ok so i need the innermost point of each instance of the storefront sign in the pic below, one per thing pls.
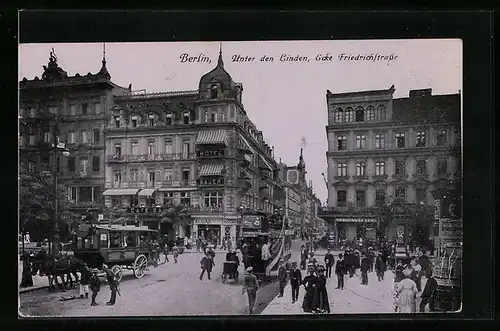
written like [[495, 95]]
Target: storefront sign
[[450, 228], [215, 222], [210, 153], [229, 222], [212, 181], [356, 220], [202, 222]]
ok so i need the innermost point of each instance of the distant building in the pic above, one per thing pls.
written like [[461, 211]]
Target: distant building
[[75, 109], [194, 148], [382, 149]]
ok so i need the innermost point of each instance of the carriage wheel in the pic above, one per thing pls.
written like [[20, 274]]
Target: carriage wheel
[[140, 265], [118, 271]]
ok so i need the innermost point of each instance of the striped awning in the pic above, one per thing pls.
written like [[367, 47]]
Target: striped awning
[[147, 192], [212, 137], [123, 191], [356, 220], [265, 163], [211, 170]]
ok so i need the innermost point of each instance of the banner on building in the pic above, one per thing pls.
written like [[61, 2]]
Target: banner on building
[[292, 176]]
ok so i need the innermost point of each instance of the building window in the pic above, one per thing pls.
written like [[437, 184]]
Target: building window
[[400, 168], [46, 136], [342, 169], [117, 179], [185, 149], [134, 148], [380, 113], [338, 115], [167, 174], [421, 196], [97, 135], [421, 135], [400, 193], [151, 119], [72, 194], [223, 116], [168, 147], [442, 167], [133, 121], [206, 116], [84, 164], [441, 138], [361, 141], [85, 194], [214, 116], [341, 198], [185, 199], [186, 118], [71, 137], [151, 177], [380, 197], [134, 175], [360, 198], [96, 164], [370, 113], [32, 139], [379, 140], [72, 109], [151, 147], [117, 122], [379, 168], [213, 199], [168, 197], [213, 92], [118, 150], [342, 143], [400, 140], [360, 168], [53, 110], [169, 119], [185, 178], [421, 167], [360, 114], [32, 112], [84, 137], [71, 164], [349, 114], [97, 108], [84, 108]]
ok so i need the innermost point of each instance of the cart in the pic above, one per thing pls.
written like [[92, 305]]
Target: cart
[[229, 269], [120, 247]]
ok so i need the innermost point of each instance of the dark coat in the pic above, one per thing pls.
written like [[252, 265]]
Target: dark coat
[[320, 300], [429, 291], [85, 275], [295, 278], [95, 283], [380, 265], [329, 259], [111, 278], [425, 263], [340, 267], [207, 263], [365, 264], [282, 274], [310, 282]]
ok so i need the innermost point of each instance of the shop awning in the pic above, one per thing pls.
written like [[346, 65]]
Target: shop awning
[[356, 220], [147, 192], [212, 137], [123, 191], [211, 170], [265, 164]]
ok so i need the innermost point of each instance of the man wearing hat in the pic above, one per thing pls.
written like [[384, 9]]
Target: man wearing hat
[[380, 267], [113, 284], [282, 277], [365, 266], [429, 294], [95, 285], [340, 270], [310, 282], [321, 302], [250, 286], [295, 281], [84, 281]]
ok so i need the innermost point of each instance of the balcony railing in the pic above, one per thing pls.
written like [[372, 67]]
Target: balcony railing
[[205, 210], [151, 157], [243, 183]]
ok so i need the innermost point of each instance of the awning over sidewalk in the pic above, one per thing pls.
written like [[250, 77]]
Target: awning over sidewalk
[[212, 137], [211, 170], [147, 192], [122, 191]]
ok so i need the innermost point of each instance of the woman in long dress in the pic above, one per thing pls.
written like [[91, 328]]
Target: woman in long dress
[[310, 282], [321, 302], [406, 293]]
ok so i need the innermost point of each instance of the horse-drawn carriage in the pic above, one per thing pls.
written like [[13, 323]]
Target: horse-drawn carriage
[[120, 247]]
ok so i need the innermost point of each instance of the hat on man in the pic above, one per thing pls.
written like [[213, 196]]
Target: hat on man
[[249, 269], [95, 270]]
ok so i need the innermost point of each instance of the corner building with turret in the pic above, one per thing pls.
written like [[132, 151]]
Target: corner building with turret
[[195, 148]]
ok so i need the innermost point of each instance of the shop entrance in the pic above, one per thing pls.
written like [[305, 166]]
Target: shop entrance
[[211, 233]]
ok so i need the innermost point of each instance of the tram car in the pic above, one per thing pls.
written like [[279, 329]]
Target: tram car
[[256, 231], [121, 247]]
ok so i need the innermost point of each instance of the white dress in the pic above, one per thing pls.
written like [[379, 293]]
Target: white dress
[[406, 293]]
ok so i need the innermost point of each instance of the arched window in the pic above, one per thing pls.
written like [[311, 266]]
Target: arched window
[[213, 92], [380, 113], [349, 114], [360, 114], [206, 116], [338, 115], [370, 113]]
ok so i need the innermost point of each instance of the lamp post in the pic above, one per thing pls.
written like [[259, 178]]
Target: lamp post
[[57, 148]]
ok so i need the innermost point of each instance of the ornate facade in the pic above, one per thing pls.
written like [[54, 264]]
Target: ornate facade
[[381, 149]]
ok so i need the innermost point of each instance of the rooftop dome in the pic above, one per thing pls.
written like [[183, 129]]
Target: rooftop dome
[[218, 74]]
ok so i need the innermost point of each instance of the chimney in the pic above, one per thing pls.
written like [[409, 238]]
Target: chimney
[[420, 93]]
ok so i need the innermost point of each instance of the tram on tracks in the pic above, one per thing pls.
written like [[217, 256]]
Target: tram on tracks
[[257, 230], [121, 247]]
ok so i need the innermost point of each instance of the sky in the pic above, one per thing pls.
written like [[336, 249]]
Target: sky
[[286, 100]]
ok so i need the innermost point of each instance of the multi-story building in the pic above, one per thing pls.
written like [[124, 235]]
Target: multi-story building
[[196, 148], [292, 209], [75, 109], [381, 149]]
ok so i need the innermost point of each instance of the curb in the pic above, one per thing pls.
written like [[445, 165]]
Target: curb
[[32, 289]]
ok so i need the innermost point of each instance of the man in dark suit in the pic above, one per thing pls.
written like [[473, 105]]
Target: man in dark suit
[[340, 269], [365, 266], [329, 262], [428, 295], [295, 281]]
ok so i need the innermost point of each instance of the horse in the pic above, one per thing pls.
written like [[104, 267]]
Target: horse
[[56, 267]]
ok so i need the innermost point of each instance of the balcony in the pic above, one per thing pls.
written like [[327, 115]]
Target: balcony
[[151, 157], [265, 173], [243, 183], [243, 159], [206, 210]]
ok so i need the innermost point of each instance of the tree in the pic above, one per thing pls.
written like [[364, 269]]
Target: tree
[[178, 214], [37, 197]]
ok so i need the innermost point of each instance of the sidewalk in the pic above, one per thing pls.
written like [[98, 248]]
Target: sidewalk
[[38, 282]]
